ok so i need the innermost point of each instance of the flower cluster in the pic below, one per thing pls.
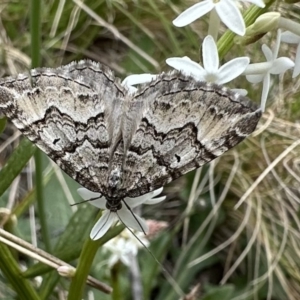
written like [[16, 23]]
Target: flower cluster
[[256, 72], [227, 10], [124, 247]]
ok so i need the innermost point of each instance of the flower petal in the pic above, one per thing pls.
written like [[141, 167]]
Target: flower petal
[[281, 64], [155, 200], [290, 37], [233, 69], [134, 202], [129, 246], [261, 68], [265, 92], [193, 13], [132, 220], [297, 63], [113, 259], [267, 52], [255, 78], [126, 260], [103, 224], [86, 194], [99, 203], [242, 92], [157, 192], [277, 44], [231, 16], [210, 55], [187, 67], [131, 89], [138, 79], [186, 58]]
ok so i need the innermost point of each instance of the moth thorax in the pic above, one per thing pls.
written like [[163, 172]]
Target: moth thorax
[[115, 179], [113, 205]]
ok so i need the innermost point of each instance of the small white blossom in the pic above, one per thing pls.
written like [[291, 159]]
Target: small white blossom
[[131, 80], [261, 72], [109, 218], [227, 11], [292, 38], [124, 246], [211, 71]]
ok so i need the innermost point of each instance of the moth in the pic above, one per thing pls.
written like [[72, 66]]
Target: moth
[[119, 143]]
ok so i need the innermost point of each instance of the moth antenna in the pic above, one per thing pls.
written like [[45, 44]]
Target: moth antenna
[[168, 276], [84, 201], [129, 208]]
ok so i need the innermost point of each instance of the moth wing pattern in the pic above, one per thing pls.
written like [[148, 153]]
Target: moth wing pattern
[[65, 112], [183, 125], [94, 128]]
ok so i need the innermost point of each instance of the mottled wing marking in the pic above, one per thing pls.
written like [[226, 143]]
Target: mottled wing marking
[[183, 124], [97, 132], [68, 112]]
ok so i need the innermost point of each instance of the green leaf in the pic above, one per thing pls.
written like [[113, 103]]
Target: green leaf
[[198, 245], [15, 164], [223, 292], [88, 253], [149, 268], [71, 241], [11, 271], [70, 245]]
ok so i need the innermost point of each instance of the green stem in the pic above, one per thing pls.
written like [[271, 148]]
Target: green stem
[[12, 273], [115, 282], [86, 258], [35, 29], [226, 42], [16, 162]]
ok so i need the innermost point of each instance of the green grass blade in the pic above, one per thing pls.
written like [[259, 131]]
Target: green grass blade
[[70, 243], [15, 164], [35, 32], [11, 271]]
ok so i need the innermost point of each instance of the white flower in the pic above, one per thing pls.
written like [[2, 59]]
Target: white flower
[[124, 246], [109, 218], [292, 38], [227, 11], [131, 80], [211, 71], [273, 65]]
